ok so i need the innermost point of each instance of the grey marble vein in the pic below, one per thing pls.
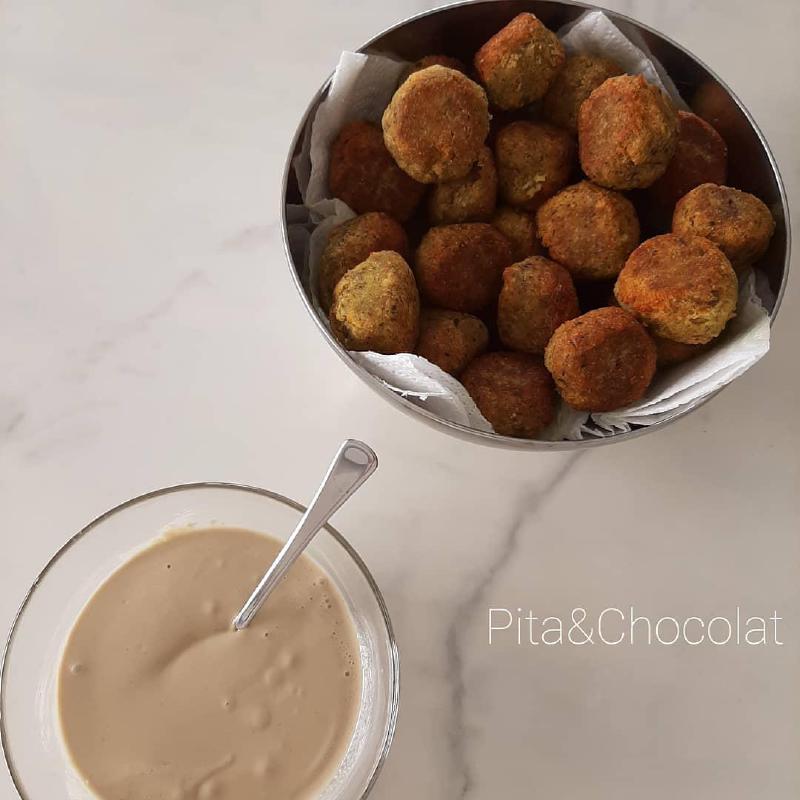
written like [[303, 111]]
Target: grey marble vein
[[251, 238], [530, 503], [102, 347], [10, 425]]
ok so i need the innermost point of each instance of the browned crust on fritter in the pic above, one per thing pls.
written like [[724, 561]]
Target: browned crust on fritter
[[536, 297], [602, 360], [459, 267], [518, 64], [534, 160], [581, 75], [519, 227], [682, 287], [436, 124], [364, 175], [376, 306], [737, 222], [589, 229], [351, 243], [468, 199], [701, 156], [627, 133], [450, 339], [513, 391]]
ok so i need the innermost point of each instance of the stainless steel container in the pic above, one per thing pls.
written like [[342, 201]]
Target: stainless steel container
[[459, 30]]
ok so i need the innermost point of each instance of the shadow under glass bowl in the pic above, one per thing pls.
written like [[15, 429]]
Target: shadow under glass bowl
[[36, 759], [459, 30]]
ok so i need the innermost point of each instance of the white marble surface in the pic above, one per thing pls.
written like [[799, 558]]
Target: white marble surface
[[150, 334]]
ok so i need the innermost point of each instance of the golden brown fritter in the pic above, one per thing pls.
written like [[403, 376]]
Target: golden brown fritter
[[589, 229], [669, 353], [450, 339], [739, 223], [519, 227], [459, 267], [468, 199], [513, 391], [627, 133], [701, 156], [436, 124], [581, 75], [364, 175], [351, 242], [681, 286], [376, 306], [534, 160], [537, 296], [602, 360], [712, 103], [518, 64]]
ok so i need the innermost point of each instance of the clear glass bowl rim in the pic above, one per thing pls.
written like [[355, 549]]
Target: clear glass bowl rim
[[269, 495]]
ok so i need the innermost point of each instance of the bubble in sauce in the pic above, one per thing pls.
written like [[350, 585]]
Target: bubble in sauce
[[271, 676], [261, 767], [260, 718], [207, 790], [229, 703], [288, 659], [210, 607]]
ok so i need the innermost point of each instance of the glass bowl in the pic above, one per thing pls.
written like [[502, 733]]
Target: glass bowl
[[37, 761]]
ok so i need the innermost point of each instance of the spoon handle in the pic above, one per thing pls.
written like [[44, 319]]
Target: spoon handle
[[353, 464]]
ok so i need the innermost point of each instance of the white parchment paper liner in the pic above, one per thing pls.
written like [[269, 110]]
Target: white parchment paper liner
[[361, 89]]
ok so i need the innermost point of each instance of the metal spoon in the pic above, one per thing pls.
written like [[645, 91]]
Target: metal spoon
[[353, 464]]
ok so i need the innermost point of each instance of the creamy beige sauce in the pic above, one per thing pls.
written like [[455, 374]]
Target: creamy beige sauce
[[160, 699]]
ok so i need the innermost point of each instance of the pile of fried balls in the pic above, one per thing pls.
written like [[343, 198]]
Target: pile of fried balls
[[498, 231]]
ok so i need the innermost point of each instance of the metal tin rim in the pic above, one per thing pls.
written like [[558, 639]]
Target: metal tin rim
[[394, 699], [463, 431]]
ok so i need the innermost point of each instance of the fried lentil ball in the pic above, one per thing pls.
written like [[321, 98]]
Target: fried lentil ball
[[513, 391], [450, 339], [589, 229], [468, 199], [534, 160], [602, 360], [739, 223], [581, 75], [627, 133], [364, 175], [518, 64], [681, 286], [376, 306], [712, 103], [436, 124], [351, 242], [701, 156], [519, 227], [459, 267], [669, 353], [536, 297]]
